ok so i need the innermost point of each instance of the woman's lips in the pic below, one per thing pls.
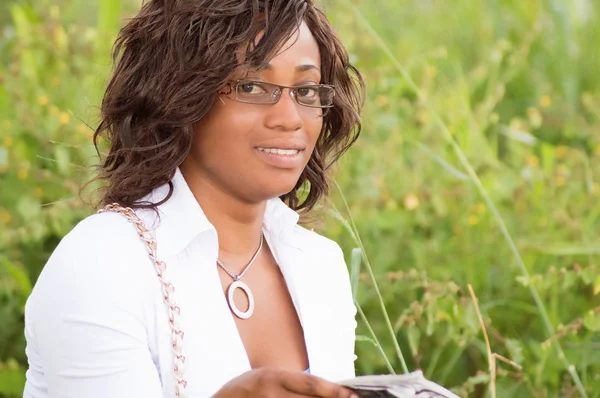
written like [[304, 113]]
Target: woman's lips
[[285, 158]]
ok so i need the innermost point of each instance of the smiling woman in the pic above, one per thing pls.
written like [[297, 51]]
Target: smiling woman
[[218, 113]]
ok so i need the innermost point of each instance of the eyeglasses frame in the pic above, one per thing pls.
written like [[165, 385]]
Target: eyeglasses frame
[[235, 83]]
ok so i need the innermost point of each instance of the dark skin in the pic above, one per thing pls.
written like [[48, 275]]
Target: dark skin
[[232, 182]]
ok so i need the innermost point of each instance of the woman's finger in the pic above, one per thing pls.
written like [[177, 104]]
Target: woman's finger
[[314, 386]]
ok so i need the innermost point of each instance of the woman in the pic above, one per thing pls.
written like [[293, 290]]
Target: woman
[[223, 118]]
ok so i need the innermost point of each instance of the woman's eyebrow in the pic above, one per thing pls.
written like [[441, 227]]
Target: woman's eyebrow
[[305, 67], [299, 68]]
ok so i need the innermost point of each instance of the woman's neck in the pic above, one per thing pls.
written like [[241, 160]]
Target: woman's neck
[[238, 222]]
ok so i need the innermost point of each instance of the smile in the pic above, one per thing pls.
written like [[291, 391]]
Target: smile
[[279, 151], [282, 158]]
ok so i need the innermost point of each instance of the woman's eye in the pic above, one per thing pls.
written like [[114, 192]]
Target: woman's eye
[[252, 88], [307, 92]]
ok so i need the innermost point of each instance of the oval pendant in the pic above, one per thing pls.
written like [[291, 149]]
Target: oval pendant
[[230, 290]]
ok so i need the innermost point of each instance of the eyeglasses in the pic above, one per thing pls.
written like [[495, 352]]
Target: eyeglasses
[[257, 92]]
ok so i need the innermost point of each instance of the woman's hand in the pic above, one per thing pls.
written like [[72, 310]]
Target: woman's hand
[[276, 383]]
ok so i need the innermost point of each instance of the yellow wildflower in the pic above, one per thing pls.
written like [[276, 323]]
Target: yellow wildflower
[[8, 141], [562, 151], [382, 100], [517, 124], [545, 101], [432, 70], [562, 169], [4, 217], [22, 174], [422, 116], [411, 201], [473, 219], [480, 208], [391, 204], [64, 118], [535, 117], [533, 161], [44, 100]]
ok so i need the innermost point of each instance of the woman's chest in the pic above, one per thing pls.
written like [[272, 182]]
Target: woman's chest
[[291, 313], [265, 316]]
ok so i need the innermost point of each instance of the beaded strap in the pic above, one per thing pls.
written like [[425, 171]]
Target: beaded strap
[[168, 293]]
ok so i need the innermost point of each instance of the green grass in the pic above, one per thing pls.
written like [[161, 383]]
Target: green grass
[[478, 164]]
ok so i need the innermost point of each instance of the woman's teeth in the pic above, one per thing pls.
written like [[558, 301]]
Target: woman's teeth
[[280, 151]]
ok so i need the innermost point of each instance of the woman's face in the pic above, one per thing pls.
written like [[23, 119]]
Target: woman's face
[[229, 146]]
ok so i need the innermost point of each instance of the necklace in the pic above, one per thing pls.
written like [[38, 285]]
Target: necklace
[[238, 284]]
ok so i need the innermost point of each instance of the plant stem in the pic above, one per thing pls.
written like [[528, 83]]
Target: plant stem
[[374, 337], [356, 237], [488, 348]]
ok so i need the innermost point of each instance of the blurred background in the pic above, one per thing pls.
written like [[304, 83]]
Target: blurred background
[[478, 164]]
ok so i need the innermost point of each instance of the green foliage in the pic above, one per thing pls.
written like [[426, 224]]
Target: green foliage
[[514, 84]]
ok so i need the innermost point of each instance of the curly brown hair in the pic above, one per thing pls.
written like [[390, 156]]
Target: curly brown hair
[[172, 58]]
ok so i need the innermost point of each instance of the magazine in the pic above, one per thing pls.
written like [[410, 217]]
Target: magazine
[[410, 385]]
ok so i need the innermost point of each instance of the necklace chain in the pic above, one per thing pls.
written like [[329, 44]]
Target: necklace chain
[[238, 277]]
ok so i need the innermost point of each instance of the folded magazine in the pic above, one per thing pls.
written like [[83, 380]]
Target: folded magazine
[[410, 385]]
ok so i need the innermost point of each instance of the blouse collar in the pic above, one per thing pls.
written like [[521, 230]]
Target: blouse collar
[[181, 219]]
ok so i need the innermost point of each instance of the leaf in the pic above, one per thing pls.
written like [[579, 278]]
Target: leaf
[[480, 378], [520, 136], [592, 321], [548, 157], [439, 160], [568, 250], [588, 275], [355, 263], [515, 348], [360, 337], [61, 155], [22, 22], [413, 334], [12, 379], [19, 275]]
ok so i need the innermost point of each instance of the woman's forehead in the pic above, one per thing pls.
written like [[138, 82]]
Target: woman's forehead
[[300, 53], [300, 49]]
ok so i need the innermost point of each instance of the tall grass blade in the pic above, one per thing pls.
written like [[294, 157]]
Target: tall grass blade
[[355, 262], [373, 338], [354, 232], [441, 161], [109, 21], [109, 16]]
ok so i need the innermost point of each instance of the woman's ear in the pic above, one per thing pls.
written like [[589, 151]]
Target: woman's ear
[[226, 90]]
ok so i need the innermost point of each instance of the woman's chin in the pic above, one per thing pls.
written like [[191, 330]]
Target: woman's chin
[[277, 187]]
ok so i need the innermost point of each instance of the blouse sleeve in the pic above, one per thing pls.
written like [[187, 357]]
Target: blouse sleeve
[[84, 322]]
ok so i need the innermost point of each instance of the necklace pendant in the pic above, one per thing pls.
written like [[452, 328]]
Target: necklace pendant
[[230, 290]]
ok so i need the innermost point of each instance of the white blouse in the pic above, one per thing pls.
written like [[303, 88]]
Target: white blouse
[[96, 324]]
